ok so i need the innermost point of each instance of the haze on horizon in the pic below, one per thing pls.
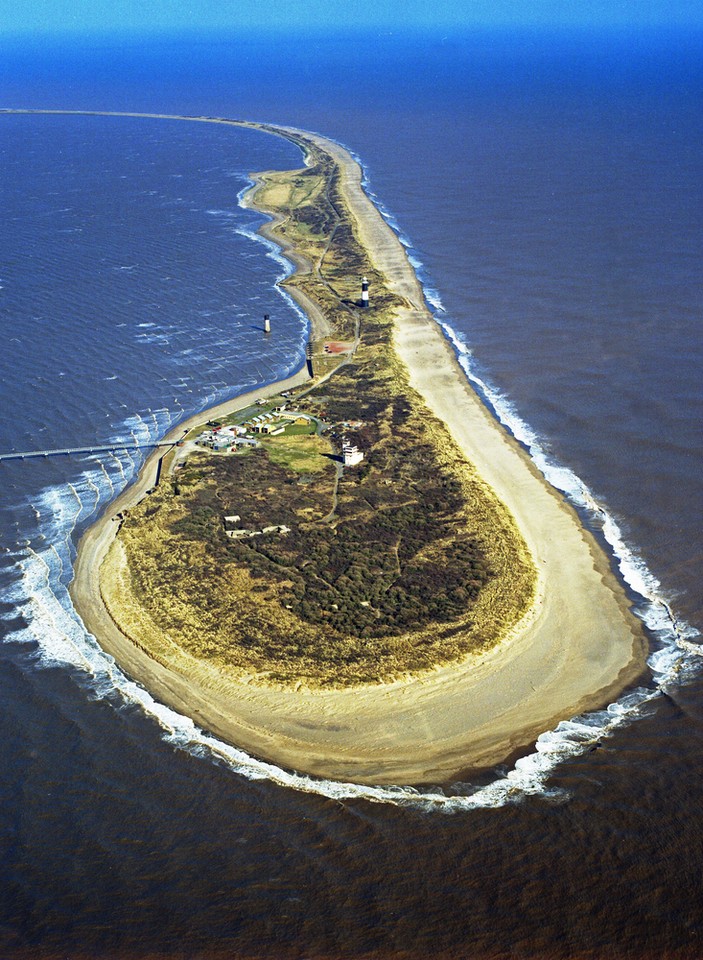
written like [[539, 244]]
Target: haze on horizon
[[87, 17]]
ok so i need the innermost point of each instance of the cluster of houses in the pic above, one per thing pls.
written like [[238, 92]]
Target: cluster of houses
[[223, 438], [276, 422]]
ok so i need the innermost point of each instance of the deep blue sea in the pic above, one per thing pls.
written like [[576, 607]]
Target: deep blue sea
[[549, 189]]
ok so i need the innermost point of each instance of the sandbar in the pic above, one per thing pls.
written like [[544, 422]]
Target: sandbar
[[576, 649]]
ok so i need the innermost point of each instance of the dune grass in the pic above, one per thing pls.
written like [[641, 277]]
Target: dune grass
[[407, 562]]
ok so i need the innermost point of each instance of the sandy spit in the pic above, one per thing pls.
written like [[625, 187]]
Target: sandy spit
[[576, 649]]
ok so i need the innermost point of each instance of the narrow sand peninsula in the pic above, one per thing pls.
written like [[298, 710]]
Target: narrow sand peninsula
[[576, 648]]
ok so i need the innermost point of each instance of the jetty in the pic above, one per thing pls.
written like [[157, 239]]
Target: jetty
[[120, 447]]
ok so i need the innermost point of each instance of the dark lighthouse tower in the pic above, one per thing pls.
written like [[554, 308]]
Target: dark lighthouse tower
[[364, 292]]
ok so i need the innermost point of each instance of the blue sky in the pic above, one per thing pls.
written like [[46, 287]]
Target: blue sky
[[91, 16]]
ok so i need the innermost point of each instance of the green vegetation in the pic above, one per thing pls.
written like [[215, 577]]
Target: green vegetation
[[309, 456], [403, 562]]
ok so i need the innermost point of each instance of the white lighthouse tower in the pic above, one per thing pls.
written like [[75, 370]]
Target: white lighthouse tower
[[364, 292], [267, 323]]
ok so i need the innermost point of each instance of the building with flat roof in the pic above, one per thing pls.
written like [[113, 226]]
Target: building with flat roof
[[351, 455]]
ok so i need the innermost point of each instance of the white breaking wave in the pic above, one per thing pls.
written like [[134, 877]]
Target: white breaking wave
[[656, 610], [432, 295]]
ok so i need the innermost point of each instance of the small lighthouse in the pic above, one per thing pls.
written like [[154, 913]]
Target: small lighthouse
[[267, 323], [364, 292]]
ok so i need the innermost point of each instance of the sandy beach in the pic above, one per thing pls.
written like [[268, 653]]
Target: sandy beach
[[576, 648]]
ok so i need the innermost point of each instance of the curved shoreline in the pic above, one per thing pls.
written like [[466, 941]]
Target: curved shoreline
[[578, 646]]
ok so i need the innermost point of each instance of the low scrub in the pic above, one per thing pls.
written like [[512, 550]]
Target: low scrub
[[405, 562]]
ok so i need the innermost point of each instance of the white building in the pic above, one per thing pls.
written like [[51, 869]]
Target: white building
[[351, 455]]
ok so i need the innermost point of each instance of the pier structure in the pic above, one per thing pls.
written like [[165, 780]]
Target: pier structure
[[104, 448]]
